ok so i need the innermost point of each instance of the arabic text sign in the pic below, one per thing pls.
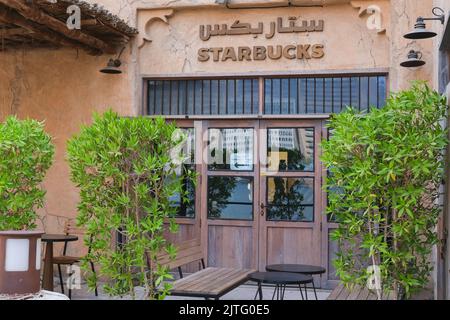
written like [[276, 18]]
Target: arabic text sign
[[239, 28], [255, 53]]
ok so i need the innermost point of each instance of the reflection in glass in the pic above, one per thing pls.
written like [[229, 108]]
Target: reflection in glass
[[290, 199], [230, 198], [230, 149], [290, 149], [186, 209]]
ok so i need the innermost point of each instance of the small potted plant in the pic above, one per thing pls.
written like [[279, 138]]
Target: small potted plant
[[26, 153]]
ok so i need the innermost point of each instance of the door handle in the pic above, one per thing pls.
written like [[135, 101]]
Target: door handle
[[262, 209]]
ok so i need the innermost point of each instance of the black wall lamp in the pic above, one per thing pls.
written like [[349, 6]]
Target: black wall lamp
[[113, 66], [420, 29], [414, 60], [420, 32]]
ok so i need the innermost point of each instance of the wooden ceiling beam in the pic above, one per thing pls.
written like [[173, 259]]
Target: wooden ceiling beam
[[37, 15], [14, 32], [12, 17], [89, 22]]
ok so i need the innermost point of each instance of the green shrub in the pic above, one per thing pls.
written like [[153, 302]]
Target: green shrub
[[385, 169], [26, 153], [126, 175]]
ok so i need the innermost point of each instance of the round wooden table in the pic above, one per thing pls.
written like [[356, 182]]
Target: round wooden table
[[280, 280], [49, 239], [300, 269]]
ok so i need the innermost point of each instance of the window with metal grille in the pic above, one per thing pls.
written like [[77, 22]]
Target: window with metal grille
[[323, 95], [203, 97], [282, 96]]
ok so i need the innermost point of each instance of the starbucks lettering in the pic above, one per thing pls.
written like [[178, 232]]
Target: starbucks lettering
[[256, 53]]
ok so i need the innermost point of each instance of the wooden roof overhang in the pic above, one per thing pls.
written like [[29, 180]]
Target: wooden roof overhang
[[42, 24]]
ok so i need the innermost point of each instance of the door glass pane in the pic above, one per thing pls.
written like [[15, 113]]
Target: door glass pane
[[290, 199], [230, 149], [230, 198], [290, 149], [186, 209]]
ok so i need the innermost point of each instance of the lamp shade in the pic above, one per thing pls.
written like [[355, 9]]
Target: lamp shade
[[417, 34], [20, 262], [414, 60], [112, 67], [420, 31]]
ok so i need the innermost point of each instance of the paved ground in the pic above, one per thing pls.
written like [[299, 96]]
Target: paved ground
[[244, 292]]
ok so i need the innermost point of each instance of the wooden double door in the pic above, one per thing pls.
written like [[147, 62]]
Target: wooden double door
[[259, 197]]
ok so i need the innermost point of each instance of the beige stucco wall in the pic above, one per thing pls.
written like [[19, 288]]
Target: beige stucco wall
[[403, 17], [63, 87], [175, 44]]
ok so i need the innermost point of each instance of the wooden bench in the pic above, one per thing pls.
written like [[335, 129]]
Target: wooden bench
[[356, 293], [187, 252], [209, 283]]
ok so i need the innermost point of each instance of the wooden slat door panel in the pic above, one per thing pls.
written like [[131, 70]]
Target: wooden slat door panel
[[291, 245], [231, 246]]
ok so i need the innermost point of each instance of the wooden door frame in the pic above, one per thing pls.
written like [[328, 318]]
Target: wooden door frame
[[260, 138], [196, 221], [327, 226], [205, 173], [264, 225]]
